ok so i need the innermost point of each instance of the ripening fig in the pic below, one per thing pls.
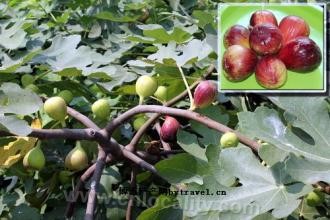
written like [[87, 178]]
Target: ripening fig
[[237, 35], [139, 122], [65, 176], [315, 198], [34, 159], [169, 129], [204, 94], [145, 86], [229, 139], [26, 80], [66, 95], [55, 107], [239, 63], [76, 159], [262, 17], [161, 93], [101, 109]]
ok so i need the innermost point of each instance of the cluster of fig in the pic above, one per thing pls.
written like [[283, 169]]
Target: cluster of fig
[[269, 49], [146, 86]]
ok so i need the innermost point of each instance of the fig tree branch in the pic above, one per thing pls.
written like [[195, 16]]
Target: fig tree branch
[[131, 196], [180, 113], [153, 118], [94, 186]]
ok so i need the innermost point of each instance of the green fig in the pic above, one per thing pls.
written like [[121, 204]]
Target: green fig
[[101, 109], [65, 176], [33, 88], [26, 80], [315, 198], [66, 95], [161, 93], [34, 159], [229, 139], [55, 107], [145, 86], [139, 122], [76, 159]]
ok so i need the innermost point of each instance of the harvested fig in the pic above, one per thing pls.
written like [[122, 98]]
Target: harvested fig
[[239, 63], [301, 55], [237, 34], [262, 17], [271, 72], [292, 27], [265, 39]]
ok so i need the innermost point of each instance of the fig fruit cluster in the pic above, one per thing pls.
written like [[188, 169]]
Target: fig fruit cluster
[[268, 49]]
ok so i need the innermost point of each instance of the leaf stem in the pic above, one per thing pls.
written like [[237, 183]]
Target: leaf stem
[[187, 88]]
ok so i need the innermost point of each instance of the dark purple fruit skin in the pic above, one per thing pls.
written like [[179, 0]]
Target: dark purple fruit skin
[[301, 55], [266, 39], [271, 72], [237, 34], [169, 129], [262, 17], [239, 63], [204, 94]]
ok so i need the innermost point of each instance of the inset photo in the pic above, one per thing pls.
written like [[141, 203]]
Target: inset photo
[[272, 48]]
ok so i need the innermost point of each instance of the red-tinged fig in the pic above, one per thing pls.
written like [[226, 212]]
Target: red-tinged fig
[[292, 27], [204, 94], [301, 55], [265, 39], [169, 129], [262, 17], [271, 72], [237, 35], [239, 63]]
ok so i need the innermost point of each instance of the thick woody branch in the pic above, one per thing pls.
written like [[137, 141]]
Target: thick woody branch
[[180, 113]]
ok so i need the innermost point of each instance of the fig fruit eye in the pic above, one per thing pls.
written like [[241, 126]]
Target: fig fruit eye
[[169, 129], [145, 86], [271, 72], [237, 35], [76, 159], [204, 94], [55, 107], [315, 198], [292, 27], [239, 63], [66, 95], [101, 109], [161, 93], [265, 39], [34, 159], [262, 17], [301, 54], [229, 139]]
